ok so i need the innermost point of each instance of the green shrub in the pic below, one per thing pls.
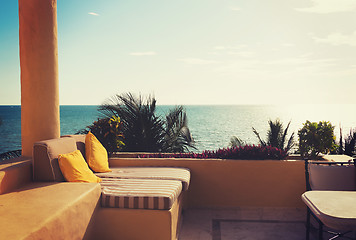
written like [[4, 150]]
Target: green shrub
[[316, 138], [109, 132]]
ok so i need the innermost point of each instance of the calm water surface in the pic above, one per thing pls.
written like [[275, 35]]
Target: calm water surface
[[211, 126]]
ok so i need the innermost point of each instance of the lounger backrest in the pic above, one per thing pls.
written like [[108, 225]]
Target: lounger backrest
[[80, 141], [45, 158]]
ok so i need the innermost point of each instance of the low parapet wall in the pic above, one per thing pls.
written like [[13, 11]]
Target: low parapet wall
[[15, 173], [217, 183]]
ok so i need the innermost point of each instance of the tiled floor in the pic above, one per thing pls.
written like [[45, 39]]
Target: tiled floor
[[243, 223], [248, 224]]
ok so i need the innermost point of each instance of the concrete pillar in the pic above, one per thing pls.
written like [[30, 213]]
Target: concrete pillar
[[39, 72]]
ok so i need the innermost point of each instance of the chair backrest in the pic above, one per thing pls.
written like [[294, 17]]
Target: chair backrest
[[332, 176]]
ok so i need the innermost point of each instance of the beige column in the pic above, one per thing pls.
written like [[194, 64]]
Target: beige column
[[39, 72]]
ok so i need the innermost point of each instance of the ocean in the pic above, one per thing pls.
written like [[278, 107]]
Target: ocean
[[211, 126]]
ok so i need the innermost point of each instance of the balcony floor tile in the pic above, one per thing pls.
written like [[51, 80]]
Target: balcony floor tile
[[243, 223]]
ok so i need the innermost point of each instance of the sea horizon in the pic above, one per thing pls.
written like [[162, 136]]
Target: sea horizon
[[218, 104], [212, 126]]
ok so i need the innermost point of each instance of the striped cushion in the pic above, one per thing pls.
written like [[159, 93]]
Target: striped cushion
[[163, 173], [139, 193]]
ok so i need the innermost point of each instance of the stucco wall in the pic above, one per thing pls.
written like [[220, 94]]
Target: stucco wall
[[214, 183], [15, 173]]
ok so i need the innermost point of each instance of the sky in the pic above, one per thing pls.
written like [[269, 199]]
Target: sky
[[194, 52]]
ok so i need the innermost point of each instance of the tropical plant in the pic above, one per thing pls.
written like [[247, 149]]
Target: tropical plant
[[316, 138], [144, 131], [10, 154], [109, 132], [277, 136], [341, 148], [237, 142], [176, 132], [348, 146]]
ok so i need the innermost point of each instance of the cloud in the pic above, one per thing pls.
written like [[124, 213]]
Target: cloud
[[338, 39], [197, 61], [150, 53], [238, 50], [304, 60], [288, 45], [220, 48], [93, 13], [281, 68], [241, 53], [237, 47], [330, 6], [235, 9]]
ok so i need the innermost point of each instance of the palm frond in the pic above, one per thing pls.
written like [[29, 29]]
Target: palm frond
[[177, 136], [236, 142], [274, 134], [263, 143], [143, 130], [277, 136], [10, 154], [290, 143]]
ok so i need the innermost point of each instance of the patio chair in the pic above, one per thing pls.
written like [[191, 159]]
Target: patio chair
[[331, 197]]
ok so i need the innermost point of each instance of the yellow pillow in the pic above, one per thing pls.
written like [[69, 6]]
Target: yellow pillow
[[96, 154], [75, 169]]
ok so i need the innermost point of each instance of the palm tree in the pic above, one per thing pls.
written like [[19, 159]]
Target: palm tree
[[277, 136], [144, 131], [177, 137]]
